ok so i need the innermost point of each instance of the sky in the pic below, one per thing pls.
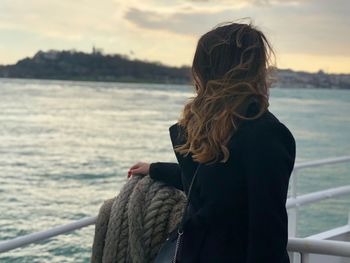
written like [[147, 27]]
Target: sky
[[307, 35]]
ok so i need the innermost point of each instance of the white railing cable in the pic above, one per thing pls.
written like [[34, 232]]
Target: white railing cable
[[42, 235], [327, 161], [295, 244], [317, 196], [295, 201], [35, 237], [316, 246]]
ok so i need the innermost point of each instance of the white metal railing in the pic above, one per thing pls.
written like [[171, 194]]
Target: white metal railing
[[316, 246], [45, 234], [294, 202], [301, 245], [317, 196]]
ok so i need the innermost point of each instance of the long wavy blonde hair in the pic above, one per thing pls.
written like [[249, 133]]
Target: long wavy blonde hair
[[231, 66]]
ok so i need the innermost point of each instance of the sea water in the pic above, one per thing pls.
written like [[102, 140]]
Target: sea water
[[65, 147]]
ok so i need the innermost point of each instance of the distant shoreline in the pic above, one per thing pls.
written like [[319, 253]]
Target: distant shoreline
[[147, 83], [100, 81], [97, 67]]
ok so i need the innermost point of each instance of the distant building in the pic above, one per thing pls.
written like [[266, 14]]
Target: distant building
[[97, 51], [49, 55]]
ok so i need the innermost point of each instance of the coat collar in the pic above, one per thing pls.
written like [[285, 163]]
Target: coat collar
[[177, 134]]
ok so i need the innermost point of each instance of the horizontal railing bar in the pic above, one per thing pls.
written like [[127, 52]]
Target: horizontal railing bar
[[317, 196], [329, 234], [301, 165], [21, 241], [45, 234], [316, 246], [35, 237]]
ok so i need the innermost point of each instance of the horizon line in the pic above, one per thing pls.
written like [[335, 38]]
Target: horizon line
[[126, 56]]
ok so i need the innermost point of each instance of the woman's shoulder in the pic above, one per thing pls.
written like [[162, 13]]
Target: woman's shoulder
[[267, 122], [265, 130]]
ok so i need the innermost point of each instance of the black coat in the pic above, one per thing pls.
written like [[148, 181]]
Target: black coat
[[238, 211]]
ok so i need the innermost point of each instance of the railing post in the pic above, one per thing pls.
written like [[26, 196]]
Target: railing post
[[293, 213], [304, 257]]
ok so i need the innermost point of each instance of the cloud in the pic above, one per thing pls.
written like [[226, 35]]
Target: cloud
[[252, 2], [314, 27], [258, 2], [167, 30], [63, 19], [172, 22]]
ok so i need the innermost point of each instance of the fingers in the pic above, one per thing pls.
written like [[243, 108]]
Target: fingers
[[135, 171], [139, 170], [136, 165], [136, 168]]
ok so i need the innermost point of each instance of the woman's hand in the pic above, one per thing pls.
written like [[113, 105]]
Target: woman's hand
[[139, 168]]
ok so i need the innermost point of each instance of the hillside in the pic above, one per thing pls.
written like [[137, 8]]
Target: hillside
[[95, 66], [72, 65]]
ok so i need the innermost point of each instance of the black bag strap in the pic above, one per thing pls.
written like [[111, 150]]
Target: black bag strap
[[180, 229]]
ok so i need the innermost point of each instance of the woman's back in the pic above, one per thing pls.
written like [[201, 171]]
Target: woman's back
[[237, 211]]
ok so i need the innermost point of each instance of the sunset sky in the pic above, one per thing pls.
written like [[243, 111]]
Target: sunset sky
[[306, 34]]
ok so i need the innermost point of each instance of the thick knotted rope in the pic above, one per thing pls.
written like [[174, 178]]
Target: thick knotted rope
[[132, 226]]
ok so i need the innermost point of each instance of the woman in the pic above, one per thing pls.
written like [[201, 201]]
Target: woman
[[237, 209]]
